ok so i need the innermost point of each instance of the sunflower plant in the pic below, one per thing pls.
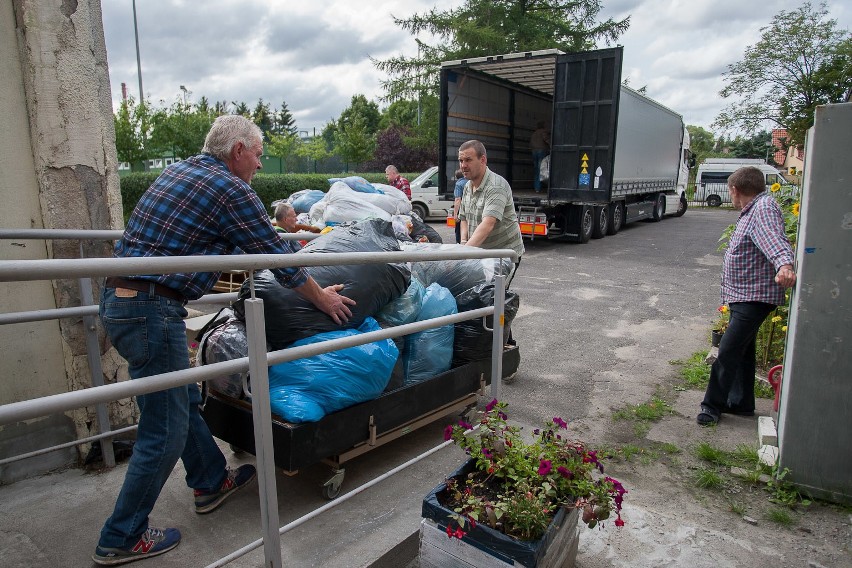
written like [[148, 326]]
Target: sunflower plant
[[517, 487]]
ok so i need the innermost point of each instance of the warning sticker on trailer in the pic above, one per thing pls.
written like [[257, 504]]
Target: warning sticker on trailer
[[584, 178]]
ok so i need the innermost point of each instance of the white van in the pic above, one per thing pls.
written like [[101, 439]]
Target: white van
[[425, 199], [711, 179]]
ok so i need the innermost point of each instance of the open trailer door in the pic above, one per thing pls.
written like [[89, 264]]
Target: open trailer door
[[585, 119]]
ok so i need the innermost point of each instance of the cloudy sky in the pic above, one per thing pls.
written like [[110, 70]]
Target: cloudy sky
[[315, 54]]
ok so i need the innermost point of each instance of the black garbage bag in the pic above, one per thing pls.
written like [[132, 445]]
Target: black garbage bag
[[456, 275], [421, 229], [472, 341], [289, 317]]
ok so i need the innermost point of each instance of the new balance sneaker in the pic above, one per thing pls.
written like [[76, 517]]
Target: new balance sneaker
[[153, 542], [236, 479]]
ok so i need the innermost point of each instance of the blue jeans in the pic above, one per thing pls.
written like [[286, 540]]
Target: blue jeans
[[731, 385], [538, 156], [148, 331]]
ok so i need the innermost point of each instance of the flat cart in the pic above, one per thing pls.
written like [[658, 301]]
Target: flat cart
[[353, 431]]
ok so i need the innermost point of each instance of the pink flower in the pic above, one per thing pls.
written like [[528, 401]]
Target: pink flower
[[559, 422], [564, 472], [448, 432], [619, 522], [465, 425], [544, 467], [490, 406]]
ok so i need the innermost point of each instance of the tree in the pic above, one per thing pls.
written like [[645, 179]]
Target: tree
[[757, 146], [179, 130], [486, 27], [315, 150], [361, 109], [353, 141], [801, 60], [262, 116], [242, 109], [701, 141], [284, 121], [392, 148], [132, 130]]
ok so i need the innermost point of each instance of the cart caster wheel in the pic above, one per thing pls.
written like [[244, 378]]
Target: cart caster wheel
[[237, 451], [331, 488]]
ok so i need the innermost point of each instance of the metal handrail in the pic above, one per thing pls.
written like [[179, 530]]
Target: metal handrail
[[258, 360]]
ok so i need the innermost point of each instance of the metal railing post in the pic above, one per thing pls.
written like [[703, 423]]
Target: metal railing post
[[93, 353], [497, 335], [262, 415]]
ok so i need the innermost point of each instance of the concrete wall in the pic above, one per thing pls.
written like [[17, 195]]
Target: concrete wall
[[59, 170]]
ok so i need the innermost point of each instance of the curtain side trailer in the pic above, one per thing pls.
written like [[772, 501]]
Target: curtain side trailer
[[616, 155]]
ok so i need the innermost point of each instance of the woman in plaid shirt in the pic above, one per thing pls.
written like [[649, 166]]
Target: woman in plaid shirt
[[758, 267]]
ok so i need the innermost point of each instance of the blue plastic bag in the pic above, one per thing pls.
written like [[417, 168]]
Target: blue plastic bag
[[429, 353], [303, 203], [357, 183], [305, 390], [406, 308]]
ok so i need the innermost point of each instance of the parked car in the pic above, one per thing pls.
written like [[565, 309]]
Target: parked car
[[425, 196]]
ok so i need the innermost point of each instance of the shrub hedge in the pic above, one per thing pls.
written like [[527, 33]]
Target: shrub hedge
[[269, 187]]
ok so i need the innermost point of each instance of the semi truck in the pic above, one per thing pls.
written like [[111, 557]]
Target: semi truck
[[616, 156]]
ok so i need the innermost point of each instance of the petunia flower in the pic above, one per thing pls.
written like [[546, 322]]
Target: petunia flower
[[448, 432], [559, 422], [544, 467], [490, 406]]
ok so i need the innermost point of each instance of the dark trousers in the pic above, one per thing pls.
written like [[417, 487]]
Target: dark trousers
[[731, 384]]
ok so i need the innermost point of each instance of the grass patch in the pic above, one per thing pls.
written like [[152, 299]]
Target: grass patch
[[780, 516], [712, 454], [649, 411], [669, 448], [708, 478], [737, 507], [695, 372]]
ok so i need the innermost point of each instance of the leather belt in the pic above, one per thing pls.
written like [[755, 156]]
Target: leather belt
[[148, 286]]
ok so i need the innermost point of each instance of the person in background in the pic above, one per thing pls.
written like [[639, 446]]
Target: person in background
[[398, 181], [540, 145], [758, 267], [203, 205], [285, 222], [487, 211], [458, 191]]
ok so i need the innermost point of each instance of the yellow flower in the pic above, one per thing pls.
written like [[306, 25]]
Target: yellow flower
[[776, 318], [775, 187], [723, 309], [783, 328], [796, 209]]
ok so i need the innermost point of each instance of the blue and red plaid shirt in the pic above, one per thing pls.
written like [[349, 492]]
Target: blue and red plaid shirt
[[198, 207], [757, 249]]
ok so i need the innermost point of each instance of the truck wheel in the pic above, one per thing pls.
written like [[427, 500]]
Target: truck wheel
[[601, 226], [420, 209], [659, 207], [714, 200], [586, 222], [616, 218], [681, 206]]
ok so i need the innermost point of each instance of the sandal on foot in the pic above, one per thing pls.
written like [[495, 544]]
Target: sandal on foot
[[707, 417]]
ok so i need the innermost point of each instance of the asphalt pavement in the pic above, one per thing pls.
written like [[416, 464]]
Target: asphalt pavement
[[597, 327]]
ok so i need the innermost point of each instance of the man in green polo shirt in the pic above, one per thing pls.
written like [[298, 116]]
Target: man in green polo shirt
[[487, 212]]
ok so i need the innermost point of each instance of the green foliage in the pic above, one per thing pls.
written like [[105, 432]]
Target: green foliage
[[179, 131], [484, 27], [783, 492], [708, 478], [522, 484], [284, 121], [801, 61], [780, 516], [263, 117], [695, 372], [653, 410], [737, 507], [132, 130], [709, 453]]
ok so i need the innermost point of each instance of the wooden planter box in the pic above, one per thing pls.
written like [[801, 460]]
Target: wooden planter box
[[484, 547]]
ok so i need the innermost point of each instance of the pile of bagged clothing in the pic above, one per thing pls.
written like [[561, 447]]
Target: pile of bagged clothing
[[386, 295], [353, 199]]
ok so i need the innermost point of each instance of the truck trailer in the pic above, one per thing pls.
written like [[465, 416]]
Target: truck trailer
[[616, 156]]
